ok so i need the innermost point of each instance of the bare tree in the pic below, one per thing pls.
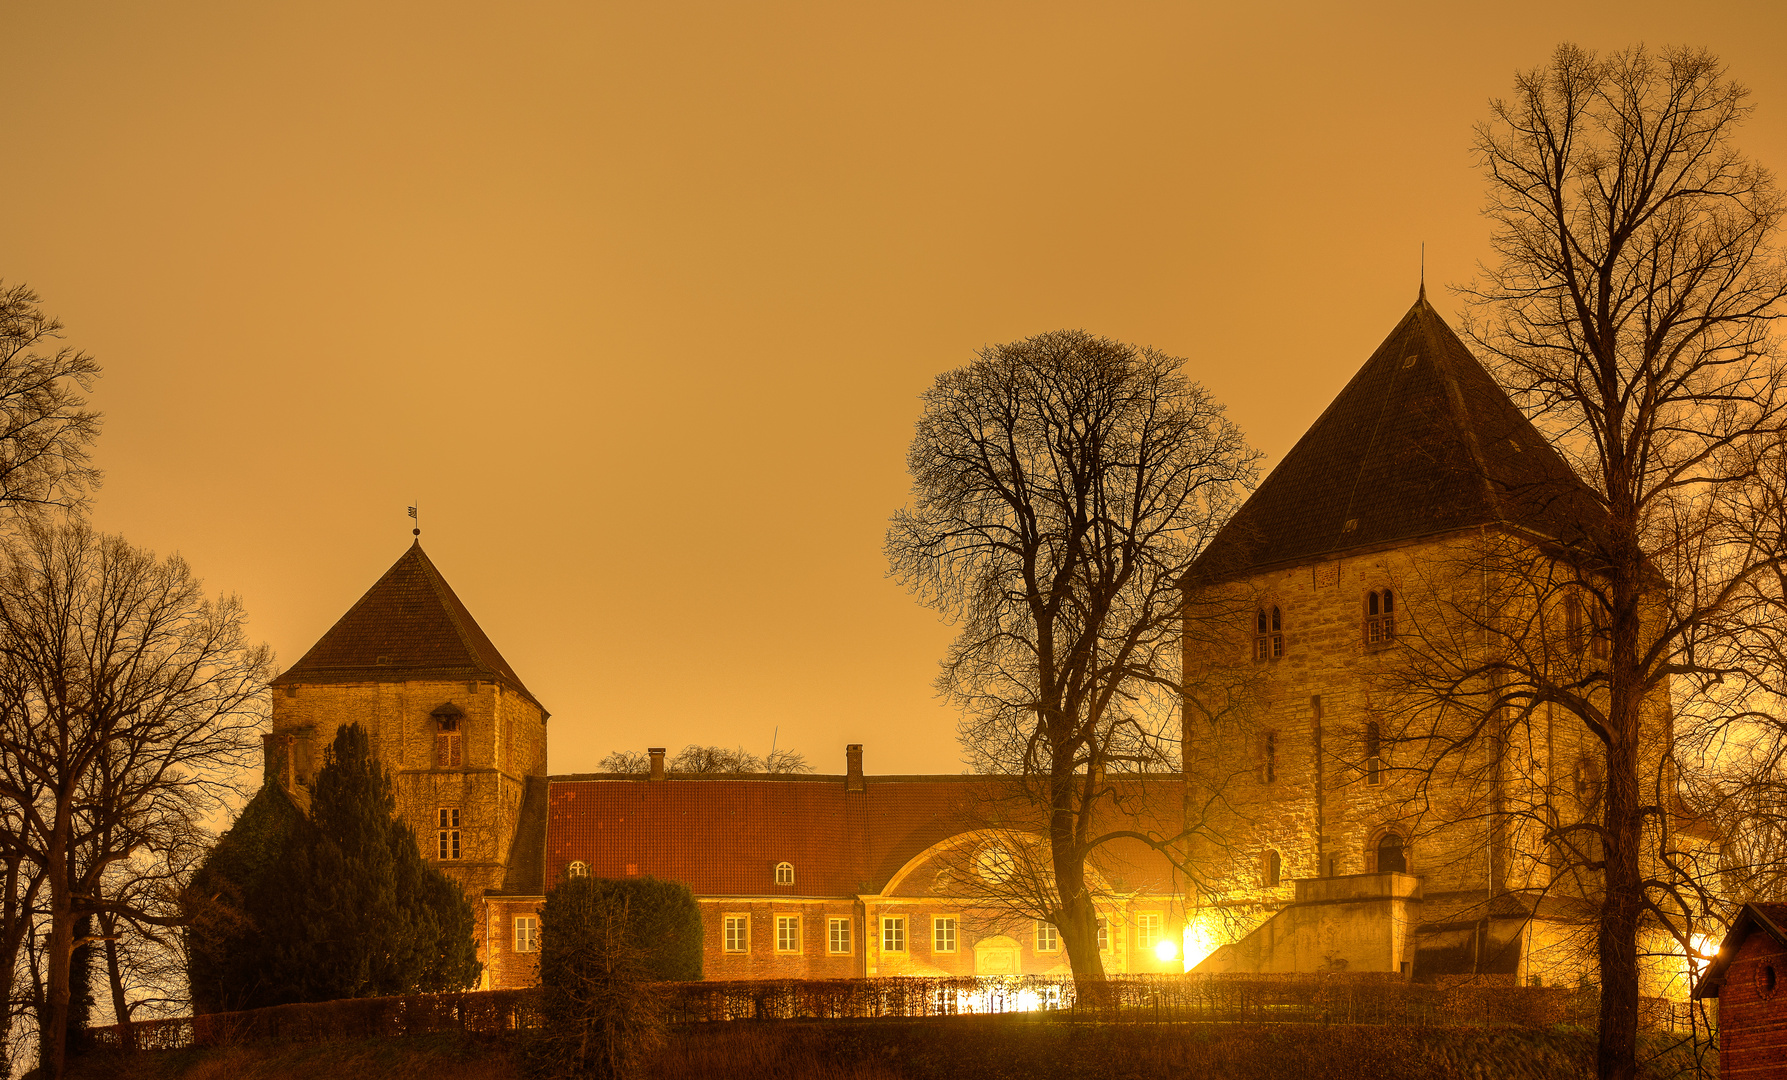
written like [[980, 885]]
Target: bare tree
[[1629, 311], [695, 760], [128, 704], [45, 429], [1061, 487]]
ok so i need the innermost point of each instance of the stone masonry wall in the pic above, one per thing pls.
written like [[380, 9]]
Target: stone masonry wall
[[1308, 710]]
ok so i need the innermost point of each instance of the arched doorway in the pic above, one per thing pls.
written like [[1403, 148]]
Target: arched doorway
[[1391, 854], [996, 956]]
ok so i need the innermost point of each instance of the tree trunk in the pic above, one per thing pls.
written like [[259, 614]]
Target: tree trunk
[[60, 951], [1616, 938], [108, 926], [1076, 917]]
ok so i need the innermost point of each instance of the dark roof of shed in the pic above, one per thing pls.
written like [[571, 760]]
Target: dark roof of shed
[[1421, 442], [1771, 919], [409, 625], [724, 837]]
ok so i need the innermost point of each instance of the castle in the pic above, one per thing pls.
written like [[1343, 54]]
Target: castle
[[1333, 856]]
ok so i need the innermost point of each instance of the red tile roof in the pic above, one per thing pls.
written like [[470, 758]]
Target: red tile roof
[[409, 625], [724, 837]]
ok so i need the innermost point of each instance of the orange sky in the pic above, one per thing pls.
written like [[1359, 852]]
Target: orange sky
[[636, 300]]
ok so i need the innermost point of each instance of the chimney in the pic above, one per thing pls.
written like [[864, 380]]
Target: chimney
[[853, 780], [657, 755]]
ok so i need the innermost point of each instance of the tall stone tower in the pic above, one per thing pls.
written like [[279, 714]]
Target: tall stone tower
[[462, 737], [1301, 618]]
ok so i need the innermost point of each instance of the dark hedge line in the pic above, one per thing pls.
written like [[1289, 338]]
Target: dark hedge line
[[1307, 999]]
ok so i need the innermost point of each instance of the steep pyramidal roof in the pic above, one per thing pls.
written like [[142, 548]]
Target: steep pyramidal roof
[[409, 625], [1422, 441]]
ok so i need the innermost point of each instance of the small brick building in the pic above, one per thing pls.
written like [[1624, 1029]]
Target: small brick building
[[1749, 979]]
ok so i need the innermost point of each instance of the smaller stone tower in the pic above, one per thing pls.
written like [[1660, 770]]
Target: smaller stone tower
[[463, 739]]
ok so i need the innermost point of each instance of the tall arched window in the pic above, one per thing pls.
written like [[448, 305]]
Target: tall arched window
[[1268, 757], [1380, 617], [1391, 854], [1268, 641], [1270, 866], [1374, 754]]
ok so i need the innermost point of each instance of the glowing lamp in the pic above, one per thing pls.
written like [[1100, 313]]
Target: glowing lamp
[[1164, 949]]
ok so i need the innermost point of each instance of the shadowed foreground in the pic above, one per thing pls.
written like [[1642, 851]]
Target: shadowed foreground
[[994, 1048]]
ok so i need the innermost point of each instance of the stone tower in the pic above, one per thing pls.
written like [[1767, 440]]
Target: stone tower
[[462, 737], [1296, 614]]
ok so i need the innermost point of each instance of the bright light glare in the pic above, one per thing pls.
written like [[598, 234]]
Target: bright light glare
[[1705, 949], [1165, 949], [1199, 943]]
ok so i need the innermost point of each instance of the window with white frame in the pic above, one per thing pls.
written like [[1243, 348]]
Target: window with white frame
[[736, 930], [527, 933], [893, 933], [943, 934], [838, 936], [787, 933], [1147, 930], [784, 873], [447, 822], [1104, 934], [1048, 939], [578, 868]]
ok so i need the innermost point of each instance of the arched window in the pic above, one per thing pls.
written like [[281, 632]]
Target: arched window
[[578, 868], [1374, 754], [1268, 641], [1380, 617], [784, 873], [1270, 866], [1391, 853]]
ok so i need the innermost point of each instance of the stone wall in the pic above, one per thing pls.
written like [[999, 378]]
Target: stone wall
[[1276, 745]]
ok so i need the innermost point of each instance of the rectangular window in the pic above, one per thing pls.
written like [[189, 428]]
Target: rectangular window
[[1104, 935], [787, 933], [893, 934], [1269, 757], [448, 823], [1048, 939], [527, 933], [737, 933], [1147, 930], [446, 750], [839, 936], [943, 934]]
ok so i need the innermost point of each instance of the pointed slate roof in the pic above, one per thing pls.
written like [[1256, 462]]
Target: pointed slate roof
[[410, 625], [1421, 442]]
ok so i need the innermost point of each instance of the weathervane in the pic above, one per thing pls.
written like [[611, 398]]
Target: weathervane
[[417, 531]]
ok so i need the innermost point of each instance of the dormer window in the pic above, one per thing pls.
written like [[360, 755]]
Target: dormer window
[[1268, 641], [784, 873], [578, 868], [1380, 617], [448, 747]]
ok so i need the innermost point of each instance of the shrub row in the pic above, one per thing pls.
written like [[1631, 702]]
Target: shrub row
[[1337, 998]]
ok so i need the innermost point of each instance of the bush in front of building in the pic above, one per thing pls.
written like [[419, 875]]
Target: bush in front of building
[[348, 908], [603, 947]]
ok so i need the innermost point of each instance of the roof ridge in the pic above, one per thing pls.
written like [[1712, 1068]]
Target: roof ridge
[[449, 603], [1460, 412]]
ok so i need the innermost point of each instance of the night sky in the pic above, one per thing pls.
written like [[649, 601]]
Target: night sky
[[636, 300]]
